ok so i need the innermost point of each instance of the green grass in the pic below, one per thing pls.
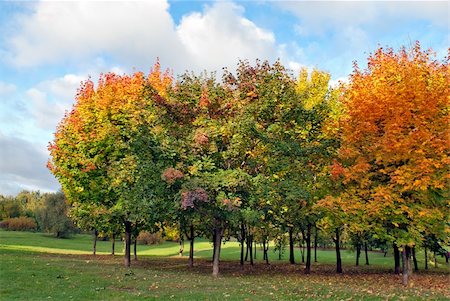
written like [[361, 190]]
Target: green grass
[[82, 244], [34, 266]]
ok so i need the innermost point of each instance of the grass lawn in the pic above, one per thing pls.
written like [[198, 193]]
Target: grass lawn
[[34, 266]]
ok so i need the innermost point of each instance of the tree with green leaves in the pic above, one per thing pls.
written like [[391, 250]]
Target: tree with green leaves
[[52, 215], [106, 151]]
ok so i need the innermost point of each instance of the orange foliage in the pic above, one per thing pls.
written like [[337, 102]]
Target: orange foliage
[[398, 119], [161, 81], [395, 142], [204, 99], [336, 170]]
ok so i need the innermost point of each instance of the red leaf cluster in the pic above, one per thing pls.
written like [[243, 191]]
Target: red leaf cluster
[[189, 197], [171, 175]]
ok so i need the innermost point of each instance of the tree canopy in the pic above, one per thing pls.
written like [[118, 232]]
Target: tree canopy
[[263, 152]]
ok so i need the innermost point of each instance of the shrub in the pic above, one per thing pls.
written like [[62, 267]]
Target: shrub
[[21, 223], [146, 238]]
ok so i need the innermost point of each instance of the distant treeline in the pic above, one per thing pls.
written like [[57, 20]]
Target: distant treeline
[[35, 211]]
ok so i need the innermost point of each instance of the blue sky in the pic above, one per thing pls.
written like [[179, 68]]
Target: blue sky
[[47, 48]]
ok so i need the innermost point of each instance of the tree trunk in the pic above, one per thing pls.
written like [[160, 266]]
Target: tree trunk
[[396, 259], [413, 250], [308, 249], [113, 244], [291, 247], [338, 253], [242, 241], [404, 268], [358, 253], [250, 246], [214, 245], [367, 253], [265, 250], [127, 259], [254, 250], [94, 247], [217, 244], [315, 245], [191, 247], [246, 247], [181, 245], [426, 259], [435, 259], [406, 258], [302, 249], [135, 249]]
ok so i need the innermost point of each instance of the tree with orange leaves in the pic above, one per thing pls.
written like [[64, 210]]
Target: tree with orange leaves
[[395, 145], [107, 150]]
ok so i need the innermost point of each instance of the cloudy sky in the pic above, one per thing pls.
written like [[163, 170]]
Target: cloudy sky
[[48, 47]]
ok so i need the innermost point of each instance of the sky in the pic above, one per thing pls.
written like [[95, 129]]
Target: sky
[[47, 48]]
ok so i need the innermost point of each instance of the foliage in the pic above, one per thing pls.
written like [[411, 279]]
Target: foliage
[[23, 204], [52, 216], [106, 153], [146, 238], [21, 223], [395, 144], [261, 153], [10, 208]]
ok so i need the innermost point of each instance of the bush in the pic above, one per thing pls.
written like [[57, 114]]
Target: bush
[[146, 238], [21, 223]]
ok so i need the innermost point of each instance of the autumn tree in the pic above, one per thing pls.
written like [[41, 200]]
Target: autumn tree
[[395, 145], [106, 151]]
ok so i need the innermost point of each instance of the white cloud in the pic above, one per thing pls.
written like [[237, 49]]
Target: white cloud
[[45, 113], [48, 100], [64, 87], [134, 32], [7, 88], [337, 82], [316, 17], [23, 166], [336, 33], [220, 36]]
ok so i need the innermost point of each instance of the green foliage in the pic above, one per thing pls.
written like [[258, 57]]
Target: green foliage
[[10, 207], [52, 216]]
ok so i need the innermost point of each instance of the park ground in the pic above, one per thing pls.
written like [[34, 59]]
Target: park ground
[[35, 266]]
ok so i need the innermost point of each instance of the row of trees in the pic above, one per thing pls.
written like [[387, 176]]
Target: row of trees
[[262, 152], [46, 212]]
